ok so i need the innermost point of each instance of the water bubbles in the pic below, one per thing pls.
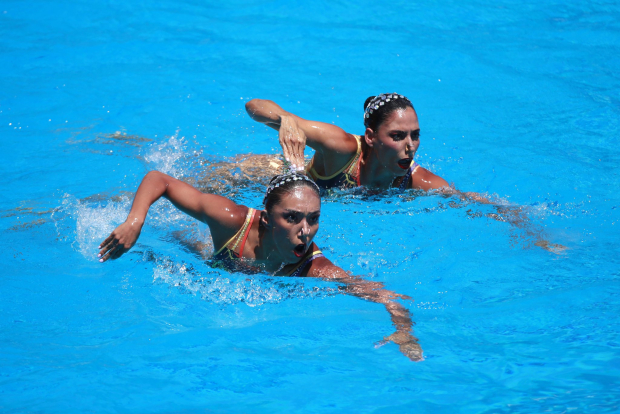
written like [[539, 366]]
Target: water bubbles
[[89, 223], [164, 156], [228, 289]]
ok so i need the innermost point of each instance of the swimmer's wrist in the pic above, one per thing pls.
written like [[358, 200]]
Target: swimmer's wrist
[[135, 221]]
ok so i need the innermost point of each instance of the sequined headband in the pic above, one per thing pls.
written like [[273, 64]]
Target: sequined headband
[[279, 180], [380, 100]]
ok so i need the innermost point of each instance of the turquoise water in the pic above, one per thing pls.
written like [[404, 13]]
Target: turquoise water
[[519, 101]]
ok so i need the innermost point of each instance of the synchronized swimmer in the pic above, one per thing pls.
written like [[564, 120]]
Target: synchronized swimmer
[[277, 240], [381, 158]]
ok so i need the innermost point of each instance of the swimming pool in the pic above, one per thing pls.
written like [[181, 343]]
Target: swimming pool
[[519, 101]]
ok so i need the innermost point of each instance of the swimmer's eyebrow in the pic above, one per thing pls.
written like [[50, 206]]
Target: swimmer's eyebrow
[[415, 131], [290, 210]]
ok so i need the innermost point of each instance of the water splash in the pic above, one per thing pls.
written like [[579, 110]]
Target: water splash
[[88, 224], [166, 156], [227, 289], [243, 177]]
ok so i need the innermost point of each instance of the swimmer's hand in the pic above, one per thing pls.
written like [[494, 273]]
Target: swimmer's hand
[[121, 240], [551, 247], [293, 142], [407, 344]]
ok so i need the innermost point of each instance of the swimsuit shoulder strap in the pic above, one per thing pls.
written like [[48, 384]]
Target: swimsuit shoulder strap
[[247, 232], [404, 184], [351, 164], [241, 236], [304, 262]]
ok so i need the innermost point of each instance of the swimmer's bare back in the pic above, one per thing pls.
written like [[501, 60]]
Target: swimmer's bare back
[[241, 171]]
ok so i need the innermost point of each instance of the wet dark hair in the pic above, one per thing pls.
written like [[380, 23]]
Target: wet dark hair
[[378, 113], [378, 116], [284, 184]]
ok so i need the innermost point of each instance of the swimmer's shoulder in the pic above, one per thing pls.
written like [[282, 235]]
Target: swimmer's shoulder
[[231, 220], [423, 179], [337, 155], [322, 267]]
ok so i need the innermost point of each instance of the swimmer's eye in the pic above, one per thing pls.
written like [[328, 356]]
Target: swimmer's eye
[[398, 136], [313, 220], [290, 217]]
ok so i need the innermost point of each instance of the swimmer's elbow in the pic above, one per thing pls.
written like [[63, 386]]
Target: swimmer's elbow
[[155, 175], [253, 106], [250, 105], [157, 178], [264, 111]]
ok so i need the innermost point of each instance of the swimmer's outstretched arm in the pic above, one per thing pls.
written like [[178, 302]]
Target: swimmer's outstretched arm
[[422, 179], [223, 216], [375, 292], [514, 215], [332, 144]]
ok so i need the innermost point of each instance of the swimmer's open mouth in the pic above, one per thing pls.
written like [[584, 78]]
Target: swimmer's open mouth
[[405, 163], [300, 249]]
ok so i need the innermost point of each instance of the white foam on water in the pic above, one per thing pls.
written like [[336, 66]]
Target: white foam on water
[[89, 223], [165, 156], [212, 286]]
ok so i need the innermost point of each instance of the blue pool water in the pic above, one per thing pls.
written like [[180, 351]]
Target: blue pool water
[[516, 100]]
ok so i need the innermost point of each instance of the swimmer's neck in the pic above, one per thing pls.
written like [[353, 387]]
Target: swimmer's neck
[[266, 252], [375, 175]]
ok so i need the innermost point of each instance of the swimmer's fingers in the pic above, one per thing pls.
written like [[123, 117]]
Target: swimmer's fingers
[[118, 252], [293, 154], [293, 141], [551, 247], [112, 250], [297, 152], [119, 242], [107, 249], [412, 350], [403, 297], [407, 344], [107, 241]]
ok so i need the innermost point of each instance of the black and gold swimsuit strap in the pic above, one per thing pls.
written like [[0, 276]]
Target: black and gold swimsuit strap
[[303, 263], [234, 241]]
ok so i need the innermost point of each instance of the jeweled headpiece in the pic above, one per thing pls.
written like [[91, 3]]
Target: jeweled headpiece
[[380, 100], [279, 180]]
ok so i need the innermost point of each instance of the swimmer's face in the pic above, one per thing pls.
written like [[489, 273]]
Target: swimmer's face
[[396, 140], [293, 223]]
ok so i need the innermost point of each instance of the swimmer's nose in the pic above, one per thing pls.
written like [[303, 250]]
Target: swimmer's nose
[[410, 146], [409, 140], [304, 230]]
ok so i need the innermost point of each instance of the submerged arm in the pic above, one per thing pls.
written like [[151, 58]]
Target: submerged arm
[[221, 214], [516, 216], [375, 292], [422, 179]]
